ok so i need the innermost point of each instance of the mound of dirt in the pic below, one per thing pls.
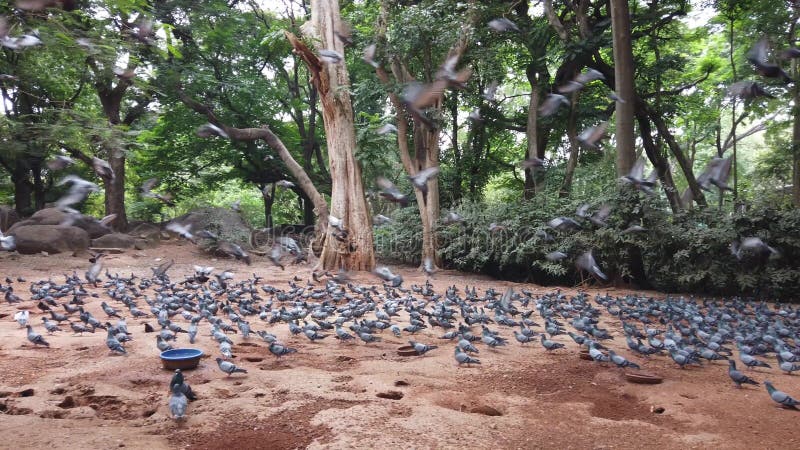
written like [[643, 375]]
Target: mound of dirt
[[224, 222]]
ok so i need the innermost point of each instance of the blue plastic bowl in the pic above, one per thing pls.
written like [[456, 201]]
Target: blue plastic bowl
[[181, 358]]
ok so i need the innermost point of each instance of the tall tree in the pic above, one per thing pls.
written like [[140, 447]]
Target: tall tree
[[624, 75], [352, 247]]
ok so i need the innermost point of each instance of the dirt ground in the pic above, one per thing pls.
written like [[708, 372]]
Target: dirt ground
[[332, 395]]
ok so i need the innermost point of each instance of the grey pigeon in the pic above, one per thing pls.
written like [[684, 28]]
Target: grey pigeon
[[551, 104], [177, 403], [463, 358], [279, 350], [36, 338], [421, 348], [738, 377], [420, 179], [780, 397], [502, 25], [229, 367], [586, 262]]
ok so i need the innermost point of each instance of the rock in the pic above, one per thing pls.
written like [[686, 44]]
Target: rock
[[55, 216], [147, 235], [114, 240], [8, 217], [32, 239]]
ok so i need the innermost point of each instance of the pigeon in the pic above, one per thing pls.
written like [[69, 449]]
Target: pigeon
[[620, 360], [35, 337], [521, 338], [369, 55], [564, 224], [330, 56], [581, 80], [421, 348], [780, 397], [184, 231], [229, 367], [7, 243], [453, 218], [22, 317], [420, 179], [178, 403], [532, 163], [286, 184], [386, 274], [752, 247], [390, 192], [387, 128], [716, 173], [380, 219], [463, 358], [748, 90], [428, 267], [757, 56], [590, 136], [502, 25], [787, 366], [548, 344], [635, 177], [279, 350], [102, 168], [275, 254], [113, 343], [50, 326], [555, 256], [60, 162], [79, 190], [551, 104], [587, 263], [209, 129], [751, 362], [738, 377], [234, 250]]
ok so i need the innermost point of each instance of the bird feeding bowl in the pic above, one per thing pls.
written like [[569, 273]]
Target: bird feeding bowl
[[584, 354], [181, 358], [407, 350], [643, 378]]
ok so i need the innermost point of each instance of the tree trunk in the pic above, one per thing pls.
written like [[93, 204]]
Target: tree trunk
[[115, 191], [269, 200], [23, 188], [624, 85], [659, 162], [574, 149], [38, 186], [531, 132], [356, 250], [796, 143]]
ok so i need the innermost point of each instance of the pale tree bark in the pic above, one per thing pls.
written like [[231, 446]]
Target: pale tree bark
[[356, 250], [623, 74]]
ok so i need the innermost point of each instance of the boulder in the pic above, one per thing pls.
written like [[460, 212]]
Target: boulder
[[55, 216], [114, 240], [33, 239], [8, 217]]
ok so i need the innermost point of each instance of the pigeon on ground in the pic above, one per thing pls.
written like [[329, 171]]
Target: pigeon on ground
[[620, 360], [229, 367], [279, 350], [780, 397], [113, 343], [36, 338], [22, 317], [463, 358], [548, 344], [421, 348], [177, 403], [738, 377]]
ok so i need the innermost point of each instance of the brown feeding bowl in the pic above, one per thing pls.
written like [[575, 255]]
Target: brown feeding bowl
[[643, 378], [406, 350], [181, 358], [584, 354]]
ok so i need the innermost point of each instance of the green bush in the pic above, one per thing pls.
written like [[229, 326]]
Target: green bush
[[688, 252]]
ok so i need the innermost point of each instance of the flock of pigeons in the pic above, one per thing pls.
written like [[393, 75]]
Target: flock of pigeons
[[212, 307]]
